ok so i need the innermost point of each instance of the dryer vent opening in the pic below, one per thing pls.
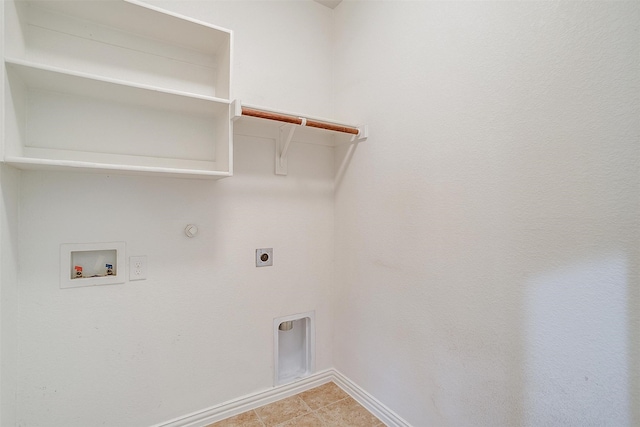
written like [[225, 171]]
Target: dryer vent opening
[[294, 347]]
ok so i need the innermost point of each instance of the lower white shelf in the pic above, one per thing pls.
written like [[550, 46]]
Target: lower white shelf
[[61, 120], [27, 163]]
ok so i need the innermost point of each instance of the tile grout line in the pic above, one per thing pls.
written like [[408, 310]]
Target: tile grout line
[[320, 417], [304, 403], [315, 413], [379, 424], [258, 417], [325, 422], [317, 410], [310, 411]]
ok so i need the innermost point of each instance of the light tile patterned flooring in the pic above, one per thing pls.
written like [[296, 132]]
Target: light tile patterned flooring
[[324, 406]]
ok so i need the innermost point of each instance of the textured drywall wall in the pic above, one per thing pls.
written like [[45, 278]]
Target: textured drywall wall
[[487, 233], [9, 201], [283, 50], [198, 331]]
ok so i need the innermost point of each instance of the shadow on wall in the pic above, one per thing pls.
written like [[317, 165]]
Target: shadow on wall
[[578, 344], [633, 308], [344, 153], [487, 245]]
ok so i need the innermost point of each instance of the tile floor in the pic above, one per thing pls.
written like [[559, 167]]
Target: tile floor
[[324, 406]]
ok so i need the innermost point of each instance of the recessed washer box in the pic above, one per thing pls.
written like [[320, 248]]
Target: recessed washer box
[[91, 264]]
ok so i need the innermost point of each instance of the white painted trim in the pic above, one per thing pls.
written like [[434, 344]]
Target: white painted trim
[[373, 405], [237, 406], [247, 403]]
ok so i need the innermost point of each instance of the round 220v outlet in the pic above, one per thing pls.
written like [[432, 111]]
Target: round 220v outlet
[[264, 257]]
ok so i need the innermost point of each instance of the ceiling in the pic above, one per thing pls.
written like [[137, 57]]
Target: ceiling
[[329, 3]]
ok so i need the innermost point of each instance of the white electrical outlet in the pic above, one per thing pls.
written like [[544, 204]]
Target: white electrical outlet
[[138, 267]]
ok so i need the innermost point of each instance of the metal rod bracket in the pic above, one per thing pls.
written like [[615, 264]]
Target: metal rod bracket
[[363, 134]]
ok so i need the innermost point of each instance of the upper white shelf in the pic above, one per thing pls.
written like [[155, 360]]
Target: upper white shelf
[[133, 17], [115, 86], [121, 40]]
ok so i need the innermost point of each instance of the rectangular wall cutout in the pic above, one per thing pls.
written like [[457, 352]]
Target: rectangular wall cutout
[[91, 264], [294, 347]]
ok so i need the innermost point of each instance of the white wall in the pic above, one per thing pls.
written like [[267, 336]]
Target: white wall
[[9, 226], [283, 50], [487, 233], [9, 197], [198, 331]]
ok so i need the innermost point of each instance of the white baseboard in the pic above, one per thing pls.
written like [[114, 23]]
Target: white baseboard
[[237, 406], [373, 405]]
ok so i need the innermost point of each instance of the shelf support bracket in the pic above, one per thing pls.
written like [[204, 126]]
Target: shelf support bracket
[[282, 146], [363, 134], [235, 110]]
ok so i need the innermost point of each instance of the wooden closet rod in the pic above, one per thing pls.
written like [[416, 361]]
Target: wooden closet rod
[[298, 120]]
